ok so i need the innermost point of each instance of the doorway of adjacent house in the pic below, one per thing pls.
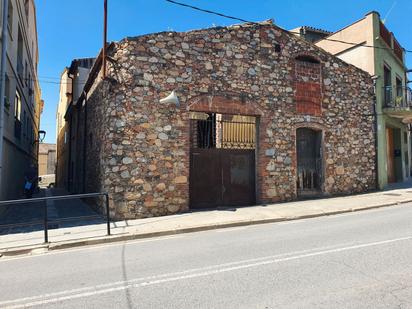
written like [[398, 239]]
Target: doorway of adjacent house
[[222, 160], [393, 155], [309, 161]]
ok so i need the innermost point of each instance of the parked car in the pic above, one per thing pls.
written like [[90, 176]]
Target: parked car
[[47, 181]]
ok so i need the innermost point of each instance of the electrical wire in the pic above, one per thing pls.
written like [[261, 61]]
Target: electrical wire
[[57, 80], [243, 20], [208, 11]]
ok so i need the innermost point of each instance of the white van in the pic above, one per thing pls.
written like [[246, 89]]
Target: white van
[[47, 181]]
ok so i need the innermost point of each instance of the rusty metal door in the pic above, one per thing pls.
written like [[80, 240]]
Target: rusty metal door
[[309, 161], [222, 177], [205, 178], [222, 161], [238, 170]]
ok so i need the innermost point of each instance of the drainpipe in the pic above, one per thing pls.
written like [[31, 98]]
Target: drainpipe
[[375, 112], [2, 82]]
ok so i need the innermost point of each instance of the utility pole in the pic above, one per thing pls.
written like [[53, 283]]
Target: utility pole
[[104, 39], [2, 83]]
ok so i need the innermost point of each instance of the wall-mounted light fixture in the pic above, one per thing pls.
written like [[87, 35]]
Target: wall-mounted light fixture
[[41, 137]]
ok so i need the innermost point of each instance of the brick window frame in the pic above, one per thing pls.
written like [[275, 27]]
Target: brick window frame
[[308, 84]]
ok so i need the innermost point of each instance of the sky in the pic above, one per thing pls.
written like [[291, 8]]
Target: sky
[[70, 29]]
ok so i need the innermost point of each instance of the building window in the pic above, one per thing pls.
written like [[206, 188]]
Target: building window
[[24, 124], [7, 93], [17, 115], [28, 127], [32, 138], [26, 75], [399, 92], [26, 9], [17, 106], [222, 131], [10, 17], [20, 68], [387, 86], [308, 93]]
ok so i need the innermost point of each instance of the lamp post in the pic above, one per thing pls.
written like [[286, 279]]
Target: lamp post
[[40, 138]]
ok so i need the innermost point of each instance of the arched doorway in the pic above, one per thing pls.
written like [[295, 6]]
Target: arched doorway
[[309, 161]]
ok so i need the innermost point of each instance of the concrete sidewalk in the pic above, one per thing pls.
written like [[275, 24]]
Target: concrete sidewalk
[[32, 242]]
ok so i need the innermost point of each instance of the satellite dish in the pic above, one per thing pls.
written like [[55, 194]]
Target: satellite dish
[[171, 98]]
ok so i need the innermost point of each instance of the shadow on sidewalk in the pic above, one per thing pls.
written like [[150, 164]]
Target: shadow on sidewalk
[[29, 217]]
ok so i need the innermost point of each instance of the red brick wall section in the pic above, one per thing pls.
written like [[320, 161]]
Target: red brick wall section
[[224, 105], [308, 94], [308, 98], [385, 34]]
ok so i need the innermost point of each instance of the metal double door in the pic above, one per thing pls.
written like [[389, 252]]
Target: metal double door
[[222, 177]]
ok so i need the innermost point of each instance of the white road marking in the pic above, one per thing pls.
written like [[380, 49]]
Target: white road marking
[[92, 247], [187, 274]]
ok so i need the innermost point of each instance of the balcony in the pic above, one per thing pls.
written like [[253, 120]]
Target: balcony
[[397, 102]]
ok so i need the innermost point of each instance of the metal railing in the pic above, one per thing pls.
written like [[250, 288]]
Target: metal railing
[[397, 97], [57, 198]]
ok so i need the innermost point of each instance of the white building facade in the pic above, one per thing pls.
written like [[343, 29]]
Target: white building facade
[[22, 104]]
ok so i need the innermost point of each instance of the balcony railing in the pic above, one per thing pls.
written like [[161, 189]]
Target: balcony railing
[[397, 97]]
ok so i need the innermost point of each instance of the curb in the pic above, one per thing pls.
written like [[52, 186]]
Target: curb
[[44, 248]]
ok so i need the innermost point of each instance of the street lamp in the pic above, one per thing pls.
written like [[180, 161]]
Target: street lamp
[[41, 137]]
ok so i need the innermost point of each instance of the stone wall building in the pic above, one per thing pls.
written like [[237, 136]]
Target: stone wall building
[[257, 116], [70, 121]]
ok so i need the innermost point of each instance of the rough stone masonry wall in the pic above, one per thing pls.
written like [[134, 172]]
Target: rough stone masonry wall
[[144, 151]]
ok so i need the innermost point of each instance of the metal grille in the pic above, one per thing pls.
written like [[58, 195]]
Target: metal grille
[[309, 161], [238, 135], [223, 131], [309, 174]]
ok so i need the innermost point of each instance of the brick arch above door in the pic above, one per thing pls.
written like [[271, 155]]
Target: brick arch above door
[[224, 104], [310, 125]]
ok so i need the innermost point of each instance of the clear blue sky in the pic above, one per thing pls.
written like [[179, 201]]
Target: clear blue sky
[[69, 29]]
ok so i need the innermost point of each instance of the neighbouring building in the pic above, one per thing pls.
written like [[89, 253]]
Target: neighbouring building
[[47, 159], [375, 49], [69, 143], [311, 34], [62, 130], [22, 102], [238, 115]]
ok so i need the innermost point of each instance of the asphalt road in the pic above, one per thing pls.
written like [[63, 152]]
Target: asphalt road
[[358, 260]]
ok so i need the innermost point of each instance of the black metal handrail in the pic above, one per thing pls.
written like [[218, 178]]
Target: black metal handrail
[[397, 97], [54, 198]]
